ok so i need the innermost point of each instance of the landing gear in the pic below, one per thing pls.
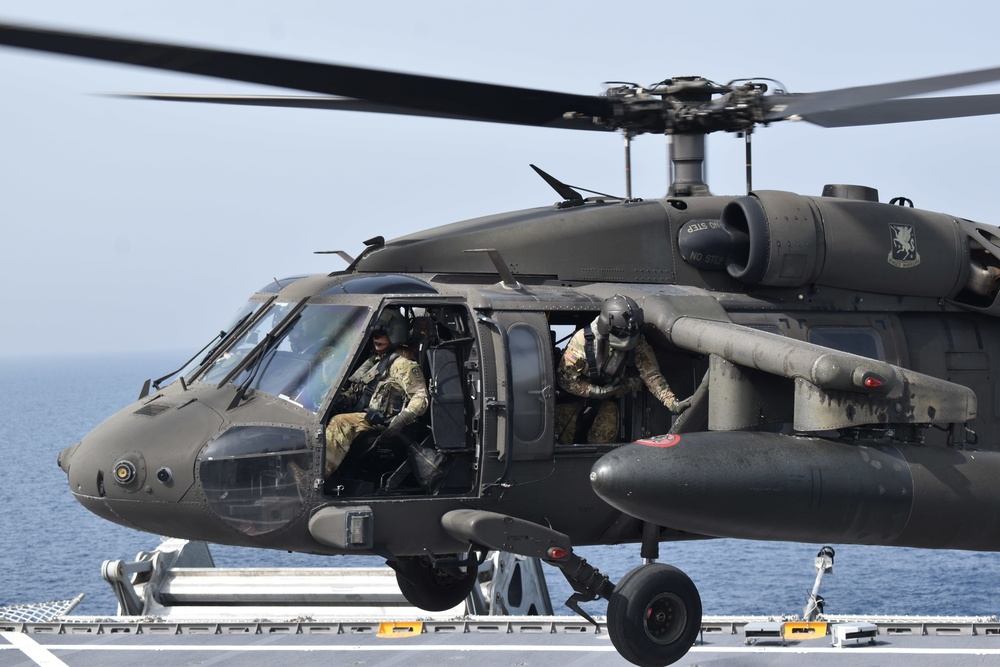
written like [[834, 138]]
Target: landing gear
[[434, 586], [654, 615]]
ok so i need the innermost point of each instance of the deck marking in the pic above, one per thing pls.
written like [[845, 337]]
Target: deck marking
[[480, 648], [40, 655]]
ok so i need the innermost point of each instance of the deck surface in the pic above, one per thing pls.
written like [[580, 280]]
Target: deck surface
[[487, 641]]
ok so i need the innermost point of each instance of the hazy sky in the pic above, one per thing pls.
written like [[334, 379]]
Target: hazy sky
[[130, 225]]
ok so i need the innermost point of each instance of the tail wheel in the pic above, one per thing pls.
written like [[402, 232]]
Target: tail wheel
[[654, 615], [430, 588]]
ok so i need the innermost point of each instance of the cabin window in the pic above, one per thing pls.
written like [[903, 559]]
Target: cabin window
[[862, 341], [527, 381]]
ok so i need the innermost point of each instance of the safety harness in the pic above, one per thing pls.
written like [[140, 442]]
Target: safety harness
[[588, 408]]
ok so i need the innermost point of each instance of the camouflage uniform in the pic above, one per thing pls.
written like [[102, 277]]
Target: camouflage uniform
[[404, 381], [574, 377]]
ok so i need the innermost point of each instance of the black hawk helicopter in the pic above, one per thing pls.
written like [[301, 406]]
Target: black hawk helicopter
[[835, 348]]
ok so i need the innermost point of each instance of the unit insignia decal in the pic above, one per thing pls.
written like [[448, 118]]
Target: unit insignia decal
[[904, 253]]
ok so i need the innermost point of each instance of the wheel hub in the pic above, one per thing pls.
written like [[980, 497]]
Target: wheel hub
[[665, 618]]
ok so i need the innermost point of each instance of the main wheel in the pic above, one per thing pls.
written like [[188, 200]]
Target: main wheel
[[430, 588], [654, 615]]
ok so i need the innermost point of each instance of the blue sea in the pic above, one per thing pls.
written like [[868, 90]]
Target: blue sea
[[51, 548]]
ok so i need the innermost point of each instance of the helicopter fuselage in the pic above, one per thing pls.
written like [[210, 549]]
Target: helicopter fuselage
[[758, 294], [837, 353]]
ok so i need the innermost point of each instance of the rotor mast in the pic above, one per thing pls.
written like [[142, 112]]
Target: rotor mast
[[687, 165], [677, 108]]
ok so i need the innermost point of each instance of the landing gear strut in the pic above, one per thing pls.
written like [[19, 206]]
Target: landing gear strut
[[654, 615]]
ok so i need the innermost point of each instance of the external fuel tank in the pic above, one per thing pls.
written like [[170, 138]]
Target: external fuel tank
[[769, 486]]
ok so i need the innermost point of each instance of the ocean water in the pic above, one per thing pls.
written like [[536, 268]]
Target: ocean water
[[52, 548]]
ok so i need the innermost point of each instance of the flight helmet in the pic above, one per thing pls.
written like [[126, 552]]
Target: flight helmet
[[620, 320], [393, 325]]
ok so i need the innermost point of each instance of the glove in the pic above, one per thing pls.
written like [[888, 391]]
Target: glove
[[388, 434], [374, 417], [678, 407], [404, 418], [626, 386], [607, 391]]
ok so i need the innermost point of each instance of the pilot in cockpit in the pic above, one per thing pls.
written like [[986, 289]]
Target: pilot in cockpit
[[389, 391]]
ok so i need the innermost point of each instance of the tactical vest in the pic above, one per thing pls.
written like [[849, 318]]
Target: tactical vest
[[371, 380]]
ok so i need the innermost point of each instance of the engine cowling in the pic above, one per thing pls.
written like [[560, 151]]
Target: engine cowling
[[781, 239]]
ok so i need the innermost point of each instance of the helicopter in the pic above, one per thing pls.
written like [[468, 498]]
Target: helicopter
[[836, 349]]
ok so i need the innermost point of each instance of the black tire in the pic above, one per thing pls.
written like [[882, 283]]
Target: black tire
[[654, 615], [433, 589]]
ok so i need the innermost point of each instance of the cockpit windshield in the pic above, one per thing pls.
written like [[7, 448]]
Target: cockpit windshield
[[246, 343], [304, 361], [245, 312]]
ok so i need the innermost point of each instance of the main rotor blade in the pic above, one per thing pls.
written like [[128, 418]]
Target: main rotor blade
[[906, 111], [338, 104], [451, 97], [807, 104]]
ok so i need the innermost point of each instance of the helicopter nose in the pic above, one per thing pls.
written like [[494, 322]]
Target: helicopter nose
[[136, 466], [66, 457]]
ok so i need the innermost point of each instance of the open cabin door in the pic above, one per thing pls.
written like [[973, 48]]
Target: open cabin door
[[525, 384]]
